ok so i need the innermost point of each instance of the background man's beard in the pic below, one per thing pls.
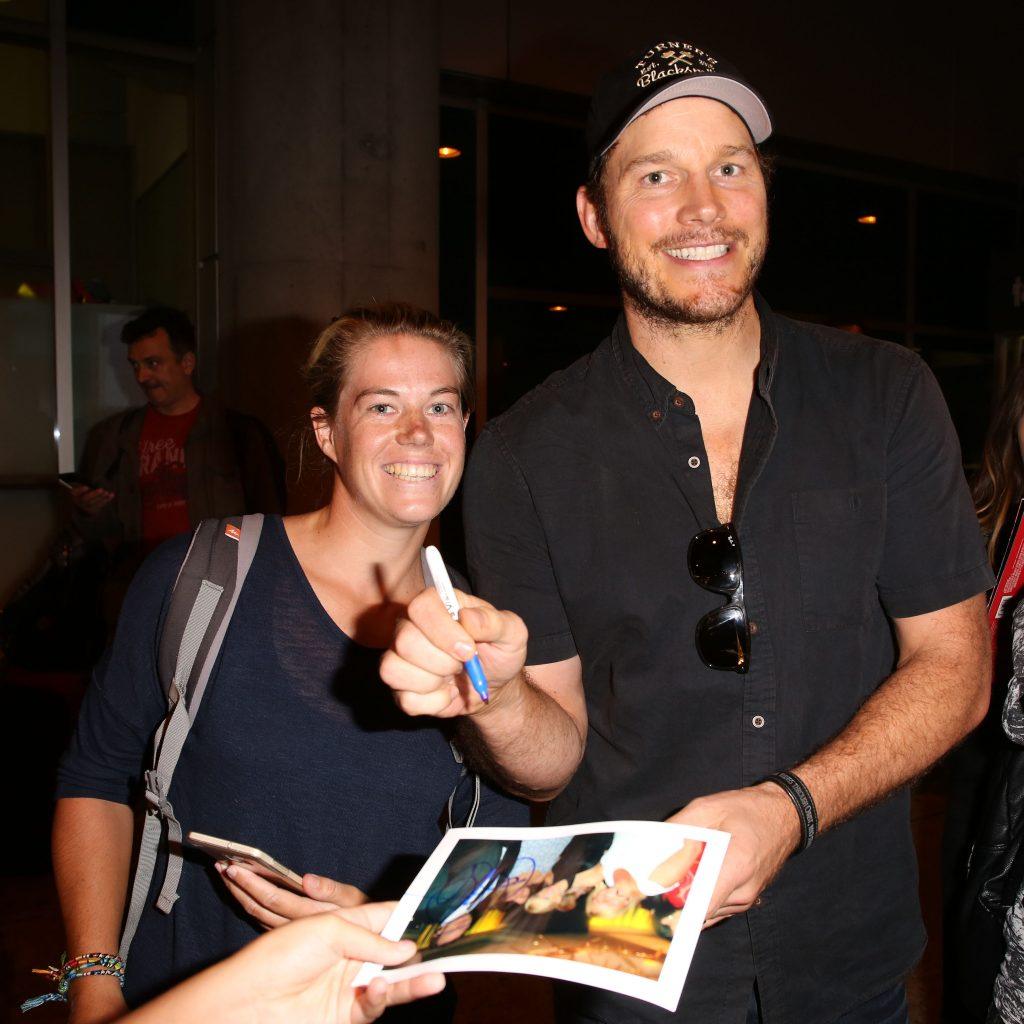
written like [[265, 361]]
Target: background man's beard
[[656, 306]]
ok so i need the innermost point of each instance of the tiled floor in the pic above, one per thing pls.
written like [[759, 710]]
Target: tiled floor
[[30, 937]]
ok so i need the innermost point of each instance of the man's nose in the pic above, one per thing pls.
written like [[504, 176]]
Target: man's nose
[[701, 203]]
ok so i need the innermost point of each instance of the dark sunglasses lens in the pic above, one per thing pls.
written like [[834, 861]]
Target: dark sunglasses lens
[[723, 639], [714, 560]]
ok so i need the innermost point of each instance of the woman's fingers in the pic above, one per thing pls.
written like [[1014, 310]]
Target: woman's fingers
[[270, 904]]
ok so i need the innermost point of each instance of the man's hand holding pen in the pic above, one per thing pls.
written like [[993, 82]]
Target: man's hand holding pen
[[425, 664]]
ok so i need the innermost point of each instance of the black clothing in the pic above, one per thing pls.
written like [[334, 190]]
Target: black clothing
[[851, 508], [298, 749]]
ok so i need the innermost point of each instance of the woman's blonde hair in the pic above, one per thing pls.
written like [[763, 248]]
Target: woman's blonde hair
[[329, 361]]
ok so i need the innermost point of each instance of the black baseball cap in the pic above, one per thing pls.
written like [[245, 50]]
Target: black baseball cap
[[667, 70]]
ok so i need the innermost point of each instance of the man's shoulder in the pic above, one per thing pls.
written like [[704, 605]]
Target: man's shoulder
[[843, 349], [117, 421]]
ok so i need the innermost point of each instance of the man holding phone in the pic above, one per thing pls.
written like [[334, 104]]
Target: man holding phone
[[155, 471]]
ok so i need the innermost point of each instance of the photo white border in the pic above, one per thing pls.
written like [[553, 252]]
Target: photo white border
[[664, 992]]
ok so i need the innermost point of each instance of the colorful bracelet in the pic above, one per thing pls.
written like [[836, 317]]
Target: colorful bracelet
[[798, 792], [87, 965]]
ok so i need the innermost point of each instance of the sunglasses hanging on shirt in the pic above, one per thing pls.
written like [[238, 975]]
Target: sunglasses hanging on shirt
[[723, 635]]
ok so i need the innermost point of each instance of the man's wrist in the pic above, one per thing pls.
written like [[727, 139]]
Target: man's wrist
[[802, 802], [787, 818], [502, 698]]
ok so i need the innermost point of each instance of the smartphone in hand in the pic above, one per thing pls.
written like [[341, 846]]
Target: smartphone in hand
[[72, 480], [249, 857]]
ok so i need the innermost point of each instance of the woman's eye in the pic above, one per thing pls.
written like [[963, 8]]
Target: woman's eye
[[440, 408], [380, 408], [730, 170]]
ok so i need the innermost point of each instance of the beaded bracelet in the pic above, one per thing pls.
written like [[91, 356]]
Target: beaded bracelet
[[87, 965]]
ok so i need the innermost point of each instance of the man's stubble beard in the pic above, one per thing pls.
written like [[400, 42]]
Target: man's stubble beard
[[714, 308]]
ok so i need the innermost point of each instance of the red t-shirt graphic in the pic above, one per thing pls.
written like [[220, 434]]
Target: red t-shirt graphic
[[162, 476]]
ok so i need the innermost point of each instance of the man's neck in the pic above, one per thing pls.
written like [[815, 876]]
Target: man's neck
[[179, 407], [697, 357]]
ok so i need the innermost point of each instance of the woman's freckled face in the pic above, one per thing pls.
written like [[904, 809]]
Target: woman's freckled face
[[399, 434]]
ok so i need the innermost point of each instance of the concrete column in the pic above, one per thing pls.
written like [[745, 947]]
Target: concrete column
[[327, 183]]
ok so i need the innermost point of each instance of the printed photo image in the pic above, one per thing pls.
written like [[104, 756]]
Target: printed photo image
[[615, 904]]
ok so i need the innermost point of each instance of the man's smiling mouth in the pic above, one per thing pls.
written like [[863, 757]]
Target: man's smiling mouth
[[698, 252], [410, 470]]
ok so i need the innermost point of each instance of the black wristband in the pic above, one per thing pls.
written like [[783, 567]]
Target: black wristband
[[802, 801]]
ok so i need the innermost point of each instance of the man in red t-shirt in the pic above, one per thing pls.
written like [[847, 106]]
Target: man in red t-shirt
[[156, 471]]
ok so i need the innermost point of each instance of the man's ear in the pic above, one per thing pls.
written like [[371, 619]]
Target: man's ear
[[188, 363], [323, 431], [589, 219]]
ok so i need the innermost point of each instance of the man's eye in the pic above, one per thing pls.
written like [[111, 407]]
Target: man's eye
[[730, 170], [655, 178]]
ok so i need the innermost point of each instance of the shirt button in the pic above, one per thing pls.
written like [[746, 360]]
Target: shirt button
[[757, 721], [656, 415], [679, 401], [693, 461]]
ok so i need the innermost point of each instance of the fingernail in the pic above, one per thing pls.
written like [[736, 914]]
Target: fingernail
[[220, 865], [464, 651], [231, 871], [314, 880]]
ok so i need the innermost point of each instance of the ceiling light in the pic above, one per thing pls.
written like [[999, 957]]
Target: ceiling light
[[448, 152], [558, 309], [868, 218]]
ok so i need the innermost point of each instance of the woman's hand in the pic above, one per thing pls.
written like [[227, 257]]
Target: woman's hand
[[298, 974], [273, 905]]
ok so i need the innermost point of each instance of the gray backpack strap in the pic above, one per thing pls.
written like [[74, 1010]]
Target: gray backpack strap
[[474, 806], [202, 603]]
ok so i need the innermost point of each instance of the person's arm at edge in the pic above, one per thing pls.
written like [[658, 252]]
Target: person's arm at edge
[[938, 693], [299, 973], [92, 846]]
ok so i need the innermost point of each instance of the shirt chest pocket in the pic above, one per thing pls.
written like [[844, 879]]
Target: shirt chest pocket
[[839, 535]]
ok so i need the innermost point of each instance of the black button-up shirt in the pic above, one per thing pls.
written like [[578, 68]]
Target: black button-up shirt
[[851, 509]]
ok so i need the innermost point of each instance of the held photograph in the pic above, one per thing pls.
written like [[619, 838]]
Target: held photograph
[[618, 905]]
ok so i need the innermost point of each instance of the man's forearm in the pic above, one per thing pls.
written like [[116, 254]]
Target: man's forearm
[[921, 711], [525, 739]]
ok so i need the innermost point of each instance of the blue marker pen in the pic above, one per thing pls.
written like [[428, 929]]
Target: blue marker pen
[[437, 574]]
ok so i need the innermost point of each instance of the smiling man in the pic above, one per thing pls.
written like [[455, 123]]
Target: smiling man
[[750, 570]]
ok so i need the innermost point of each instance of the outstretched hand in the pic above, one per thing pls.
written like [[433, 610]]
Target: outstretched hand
[[273, 905], [765, 830], [298, 974], [424, 666]]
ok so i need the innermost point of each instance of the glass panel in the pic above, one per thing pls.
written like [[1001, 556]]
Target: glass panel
[[823, 264], [27, 395], [535, 239], [527, 342], [170, 22], [955, 240], [132, 212], [28, 454], [964, 368], [457, 242], [26, 10]]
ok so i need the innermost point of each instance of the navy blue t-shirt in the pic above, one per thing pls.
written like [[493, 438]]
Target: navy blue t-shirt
[[298, 749]]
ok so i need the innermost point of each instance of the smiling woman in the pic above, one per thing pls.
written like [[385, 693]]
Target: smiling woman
[[392, 387], [302, 751]]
